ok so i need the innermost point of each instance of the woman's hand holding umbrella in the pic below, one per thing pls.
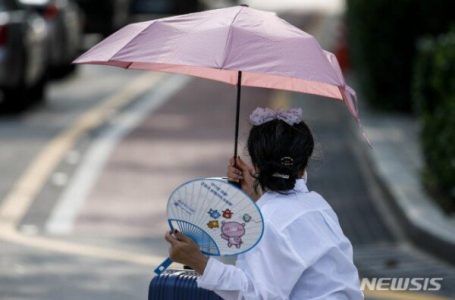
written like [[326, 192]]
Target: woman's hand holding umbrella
[[244, 174]]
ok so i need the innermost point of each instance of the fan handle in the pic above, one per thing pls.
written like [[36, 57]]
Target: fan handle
[[163, 266]]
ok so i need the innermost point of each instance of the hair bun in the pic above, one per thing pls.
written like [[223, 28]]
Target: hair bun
[[277, 176]]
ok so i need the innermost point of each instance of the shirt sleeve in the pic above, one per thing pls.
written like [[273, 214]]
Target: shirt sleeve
[[269, 271]]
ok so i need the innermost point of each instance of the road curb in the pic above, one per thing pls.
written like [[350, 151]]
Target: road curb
[[396, 163]]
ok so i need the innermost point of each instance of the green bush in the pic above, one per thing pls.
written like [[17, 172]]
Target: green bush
[[434, 97], [382, 37]]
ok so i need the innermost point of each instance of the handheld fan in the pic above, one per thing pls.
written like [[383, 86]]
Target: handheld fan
[[215, 214]]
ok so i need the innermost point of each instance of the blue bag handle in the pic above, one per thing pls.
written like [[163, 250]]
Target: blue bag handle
[[163, 266]]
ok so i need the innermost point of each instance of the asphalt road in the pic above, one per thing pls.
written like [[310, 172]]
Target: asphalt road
[[84, 181]]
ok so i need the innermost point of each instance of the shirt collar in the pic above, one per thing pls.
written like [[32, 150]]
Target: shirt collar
[[300, 186]]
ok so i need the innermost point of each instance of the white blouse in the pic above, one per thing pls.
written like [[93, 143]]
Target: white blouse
[[302, 255]]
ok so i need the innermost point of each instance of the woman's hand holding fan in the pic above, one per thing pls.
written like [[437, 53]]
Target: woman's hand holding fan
[[185, 251]]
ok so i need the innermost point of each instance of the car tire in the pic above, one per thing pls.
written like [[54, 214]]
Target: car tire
[[14, 99], [20, 98]]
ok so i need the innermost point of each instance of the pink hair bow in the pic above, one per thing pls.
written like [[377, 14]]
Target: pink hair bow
[[263, 115]]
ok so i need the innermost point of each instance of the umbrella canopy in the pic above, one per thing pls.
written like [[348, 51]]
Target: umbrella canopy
[[237, 45], [216, 44]]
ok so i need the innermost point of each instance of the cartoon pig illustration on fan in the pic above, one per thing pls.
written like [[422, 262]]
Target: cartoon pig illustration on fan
[[232, 232]]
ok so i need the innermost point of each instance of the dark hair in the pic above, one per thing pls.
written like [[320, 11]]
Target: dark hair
[[276, 147]]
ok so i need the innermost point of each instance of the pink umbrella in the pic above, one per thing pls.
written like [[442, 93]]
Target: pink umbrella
[[237, 45]]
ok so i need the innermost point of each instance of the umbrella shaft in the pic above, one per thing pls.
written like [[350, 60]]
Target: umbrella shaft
[[237, 113]]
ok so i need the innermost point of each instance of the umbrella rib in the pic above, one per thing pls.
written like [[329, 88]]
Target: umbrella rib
[[132, 39], [227, 46]]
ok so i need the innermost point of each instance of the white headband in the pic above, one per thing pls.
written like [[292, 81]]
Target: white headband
[[263, 115]]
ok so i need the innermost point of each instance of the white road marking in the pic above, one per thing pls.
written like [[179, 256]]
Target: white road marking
[[73, 198], [73, 157], [59, 179]]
